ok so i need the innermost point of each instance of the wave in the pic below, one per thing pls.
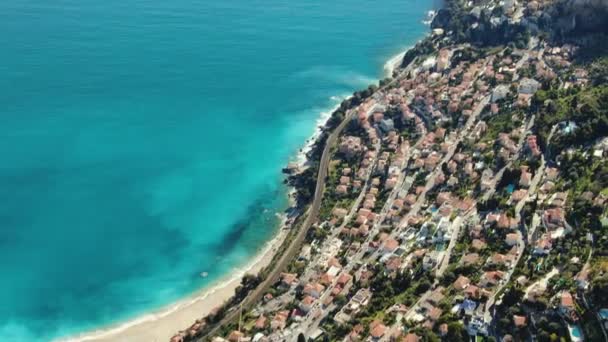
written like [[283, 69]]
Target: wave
[[330, 73], [430, 15], [393, 63], [325, 114], [337, 75]]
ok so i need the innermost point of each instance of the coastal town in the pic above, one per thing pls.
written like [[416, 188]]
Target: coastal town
[[464, 198]]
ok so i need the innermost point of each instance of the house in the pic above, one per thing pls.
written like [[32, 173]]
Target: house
[[559, 200], [341, 189], [478, 244], [350, 146], [468, 306], [434, 313], [470, 259], [393, 263], [461, 283], [313, 289], [491, 278], [477, 326], [306, 303], [443, 197], [505, 222], [390, 245], [519, 321], [387, 125], [340, 212], [325, 279], [377, 330], [443, 59], [543, 245], [436, 296], [499, 93], [356, 303], [180, 337], [525, 179], [261, 322], [288, 279], [528, 86], [344, 279], [553, 218], [500, 259], [279, 321], [429, 261], [566, 304], [551, 173], [519, 195], [512, 239], [411, 337], [355, 334], [533, 145], [472, 291], [236, 336]]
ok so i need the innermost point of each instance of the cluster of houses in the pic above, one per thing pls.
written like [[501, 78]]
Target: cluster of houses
[[411, 189]]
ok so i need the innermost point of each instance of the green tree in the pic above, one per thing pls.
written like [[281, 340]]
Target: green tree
[[457, 332]]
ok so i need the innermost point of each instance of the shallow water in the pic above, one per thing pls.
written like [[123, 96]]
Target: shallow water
[[142, 141]]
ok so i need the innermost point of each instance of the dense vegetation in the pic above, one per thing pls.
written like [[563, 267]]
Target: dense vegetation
[[453, 18]]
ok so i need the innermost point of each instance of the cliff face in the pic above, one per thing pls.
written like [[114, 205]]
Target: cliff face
[[581, 16], [480, 27]]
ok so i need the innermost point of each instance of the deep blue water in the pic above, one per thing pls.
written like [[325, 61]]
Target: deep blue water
[[142, 140]]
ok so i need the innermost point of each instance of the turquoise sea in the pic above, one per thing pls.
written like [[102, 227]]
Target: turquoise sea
[[142, 140]]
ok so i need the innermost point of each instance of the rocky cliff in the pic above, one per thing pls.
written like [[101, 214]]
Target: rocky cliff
[[580, 16]]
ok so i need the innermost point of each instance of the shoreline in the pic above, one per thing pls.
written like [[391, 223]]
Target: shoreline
[[164, 323], [393, 63], [301, 158]]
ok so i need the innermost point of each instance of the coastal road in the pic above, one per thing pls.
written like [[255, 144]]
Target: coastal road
[[313, 319], [312, 215], [292, 250]]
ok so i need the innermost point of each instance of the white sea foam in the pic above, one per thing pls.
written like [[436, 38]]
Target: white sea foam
[[430, 15], [268, 247], [393, 63], [324, 116], [336, 74]]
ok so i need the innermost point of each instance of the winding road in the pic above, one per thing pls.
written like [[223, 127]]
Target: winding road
[[295, 245]]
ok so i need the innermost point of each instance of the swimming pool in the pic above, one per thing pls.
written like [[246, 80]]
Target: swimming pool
[[510, 188], [575, 333]]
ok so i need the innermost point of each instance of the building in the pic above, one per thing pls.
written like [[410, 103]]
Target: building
[[528, 86]]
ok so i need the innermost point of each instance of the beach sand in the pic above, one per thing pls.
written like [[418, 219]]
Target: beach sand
[[393, 63], [165, 323]]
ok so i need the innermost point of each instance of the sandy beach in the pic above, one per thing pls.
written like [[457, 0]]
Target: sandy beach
[[165, 323], [393, 63]]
